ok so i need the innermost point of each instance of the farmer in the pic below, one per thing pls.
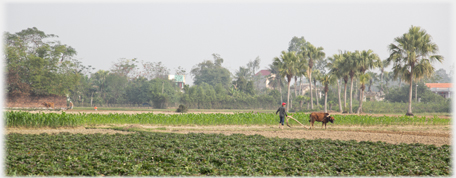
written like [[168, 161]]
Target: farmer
[[95, 107], [282, 115]]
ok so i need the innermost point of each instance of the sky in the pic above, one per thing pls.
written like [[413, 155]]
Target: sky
[[187, 33]]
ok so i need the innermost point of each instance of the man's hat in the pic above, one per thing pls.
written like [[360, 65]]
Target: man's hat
[[284, 104]]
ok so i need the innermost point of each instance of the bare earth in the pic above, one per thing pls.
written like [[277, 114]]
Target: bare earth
[[436, 135]]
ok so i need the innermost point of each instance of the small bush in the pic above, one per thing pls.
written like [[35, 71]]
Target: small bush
[[182, 109]]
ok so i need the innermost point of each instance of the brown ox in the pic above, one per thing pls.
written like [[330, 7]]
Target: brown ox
[[48, 104], [320, 117]]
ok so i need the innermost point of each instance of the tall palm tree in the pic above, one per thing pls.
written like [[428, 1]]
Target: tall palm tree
[[373, 77], [288, 64], [363, 79], [317, 75], [326, 80], [312, 54], [336, 69], [384, 65], [350, 66], [411, 50], [276, 80], [366, 60], [302, 69]]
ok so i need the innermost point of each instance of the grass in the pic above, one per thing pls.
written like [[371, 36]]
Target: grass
[[53, 120]]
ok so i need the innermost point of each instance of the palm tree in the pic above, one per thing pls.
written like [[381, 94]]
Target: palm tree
[[276, 80], [350, 67], [374, 77], [336, 70], [313, 54], [288, 65], [365, 60], [363, 79], [414, 50], [317, 75], [384, 65], [326, 80]]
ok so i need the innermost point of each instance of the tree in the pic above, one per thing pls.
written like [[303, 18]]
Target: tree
[[414, 51], [126, 67], [334, 65], [180, 71], [363, 79], [38, 66], [275, 79], [100, 81], [326, 80], [211, 72], [153, 70], [313, 54], [317, 75], [297, 44], [288, 65], [349, 65], [253, 65], [383, 65]]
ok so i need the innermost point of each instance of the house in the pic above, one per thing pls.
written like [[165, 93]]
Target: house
[[443, 89], [261, 79], [179, 79]]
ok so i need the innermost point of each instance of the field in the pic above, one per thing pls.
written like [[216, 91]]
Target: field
[[204, 136]]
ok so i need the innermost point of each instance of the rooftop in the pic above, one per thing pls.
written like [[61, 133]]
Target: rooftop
[[439, 85], [263, 72]]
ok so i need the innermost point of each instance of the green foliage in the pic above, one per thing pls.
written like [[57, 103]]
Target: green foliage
[[182, 109], [396, 94], [211, 73], [169, 154], [37, 67], [25, 119]]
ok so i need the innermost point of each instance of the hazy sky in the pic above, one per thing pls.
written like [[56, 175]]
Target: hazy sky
[[185, 34]]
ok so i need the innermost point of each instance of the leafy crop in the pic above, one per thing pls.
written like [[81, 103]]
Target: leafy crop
[[25, 119], [168, 154]]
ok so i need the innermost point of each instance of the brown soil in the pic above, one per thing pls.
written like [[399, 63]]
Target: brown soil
[[437, 135], [81, 130]]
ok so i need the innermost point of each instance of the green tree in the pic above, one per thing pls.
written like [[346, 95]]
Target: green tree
[[36, 66], [288, 64], [327, 80], [412, 55], [211, 72], [275, 79], [334, 65], [312, 54], [350, 66], [363, 80]]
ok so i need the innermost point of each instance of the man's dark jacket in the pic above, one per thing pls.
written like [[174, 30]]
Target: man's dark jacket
[[282, 112]]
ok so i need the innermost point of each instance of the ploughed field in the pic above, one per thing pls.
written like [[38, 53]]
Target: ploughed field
[[240, 144]]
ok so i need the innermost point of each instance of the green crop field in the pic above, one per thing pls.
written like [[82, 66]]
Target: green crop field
[[26, 119], [169, 154]]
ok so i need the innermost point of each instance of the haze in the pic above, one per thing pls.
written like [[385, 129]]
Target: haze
[[185, 34]]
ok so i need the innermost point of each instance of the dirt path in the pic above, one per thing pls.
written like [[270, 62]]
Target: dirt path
[[436, 135]]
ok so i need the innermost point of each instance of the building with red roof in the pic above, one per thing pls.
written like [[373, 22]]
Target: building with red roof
[[443, 89]]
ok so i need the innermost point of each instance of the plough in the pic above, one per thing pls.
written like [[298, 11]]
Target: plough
[[288, 117]]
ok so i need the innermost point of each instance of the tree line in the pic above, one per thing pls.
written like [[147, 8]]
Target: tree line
[[39, 65]]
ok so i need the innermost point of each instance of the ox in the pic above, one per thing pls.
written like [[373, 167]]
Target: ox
[[320, 117], [48, 104]]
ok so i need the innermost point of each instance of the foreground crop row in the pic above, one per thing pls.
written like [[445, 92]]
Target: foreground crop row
[[25, 119], [168, 154]]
